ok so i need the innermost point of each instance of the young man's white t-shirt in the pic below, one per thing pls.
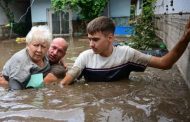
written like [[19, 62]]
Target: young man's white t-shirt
[[118, 65]]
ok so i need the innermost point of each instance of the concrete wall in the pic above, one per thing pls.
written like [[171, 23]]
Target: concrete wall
[[170, 29], [119, 8], [165, 6], [3, 18], [39, 11], [138, 7], [171, 25]]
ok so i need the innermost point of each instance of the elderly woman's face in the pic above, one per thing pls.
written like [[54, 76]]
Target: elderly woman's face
[[37, 50]]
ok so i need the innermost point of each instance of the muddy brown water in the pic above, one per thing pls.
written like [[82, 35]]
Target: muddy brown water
[[153, 96]]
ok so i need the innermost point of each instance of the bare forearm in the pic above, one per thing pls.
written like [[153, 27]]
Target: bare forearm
[[176, 52], [167, 61], [68, 79]]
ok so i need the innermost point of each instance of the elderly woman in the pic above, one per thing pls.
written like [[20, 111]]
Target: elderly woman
[[30, 60]]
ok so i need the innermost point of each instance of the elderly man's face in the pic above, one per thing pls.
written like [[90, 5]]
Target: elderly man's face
[[37, 50], [57, 50]]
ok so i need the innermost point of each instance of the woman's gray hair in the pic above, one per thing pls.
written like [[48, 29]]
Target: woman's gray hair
[[39, 33]]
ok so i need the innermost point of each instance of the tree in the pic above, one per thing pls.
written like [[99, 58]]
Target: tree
[[88, 9], [145, 36]]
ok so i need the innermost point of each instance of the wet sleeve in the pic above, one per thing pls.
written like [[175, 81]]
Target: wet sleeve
[[15, 85], [78, 66], [139, 57], [75, 72], [13, 69]]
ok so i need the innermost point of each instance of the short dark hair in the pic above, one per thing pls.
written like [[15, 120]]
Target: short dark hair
[[101, 24], [58, 70]]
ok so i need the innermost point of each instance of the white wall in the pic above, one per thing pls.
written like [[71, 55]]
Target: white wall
[[178, 6], [3, 18], [119, 8], [38, 10], [138, 9]]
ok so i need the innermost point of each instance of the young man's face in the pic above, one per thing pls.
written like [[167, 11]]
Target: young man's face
[[100, 43]]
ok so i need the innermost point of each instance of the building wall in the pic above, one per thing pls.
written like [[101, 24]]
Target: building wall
[[3, 18], [38, 11], [166, 7], [119, 8], [172, 18], [138, 7], [119, 11]]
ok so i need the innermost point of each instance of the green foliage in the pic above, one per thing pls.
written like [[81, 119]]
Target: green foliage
[[91, 9], [88, 9], [145, 37], [62, 5], [132, 14]]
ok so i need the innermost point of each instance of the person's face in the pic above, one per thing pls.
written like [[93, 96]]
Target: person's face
[[100, 43], [37, 50], [56, 51]]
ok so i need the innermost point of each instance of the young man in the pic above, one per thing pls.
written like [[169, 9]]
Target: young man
[[103, 62]]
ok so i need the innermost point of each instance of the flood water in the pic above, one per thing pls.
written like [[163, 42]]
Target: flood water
[[153, 96]]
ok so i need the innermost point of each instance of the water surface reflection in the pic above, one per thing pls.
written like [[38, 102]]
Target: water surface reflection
[[152, 96]]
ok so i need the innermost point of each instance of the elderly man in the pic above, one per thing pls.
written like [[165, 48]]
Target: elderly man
[[55, 54], [57, 51]]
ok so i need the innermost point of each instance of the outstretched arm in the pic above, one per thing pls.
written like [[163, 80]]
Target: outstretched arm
[[70, 76], [167, 61]]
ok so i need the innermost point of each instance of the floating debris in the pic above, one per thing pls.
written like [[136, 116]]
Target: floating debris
[[21, 40]]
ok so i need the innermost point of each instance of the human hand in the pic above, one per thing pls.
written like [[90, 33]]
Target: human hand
[[2, 80], [61, 84], [66, 81]]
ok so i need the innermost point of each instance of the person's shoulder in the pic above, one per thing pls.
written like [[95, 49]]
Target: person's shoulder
[[87, 52], [16, 60], [122, 48], [19, 55]]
